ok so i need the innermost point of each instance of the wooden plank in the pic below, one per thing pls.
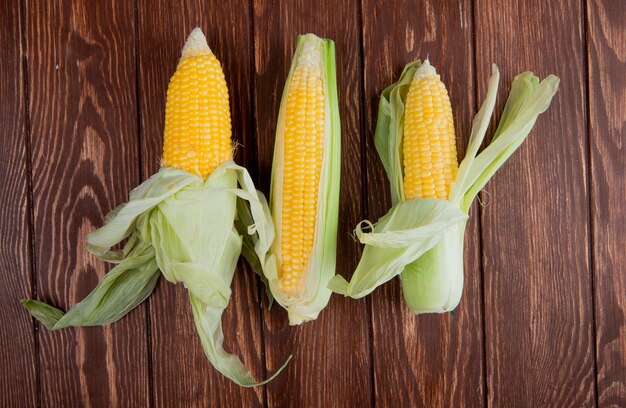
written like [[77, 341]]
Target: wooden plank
[[607, 110], [81, 75], [17, 346], [427, 360], [331, 362], [535, 231], [182, 374]]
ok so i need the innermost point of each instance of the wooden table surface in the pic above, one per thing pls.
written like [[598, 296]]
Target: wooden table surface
[[542, 320]]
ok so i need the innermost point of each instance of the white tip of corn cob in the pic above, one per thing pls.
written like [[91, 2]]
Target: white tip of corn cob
[[310, 55], [425, 70], [196, 44]]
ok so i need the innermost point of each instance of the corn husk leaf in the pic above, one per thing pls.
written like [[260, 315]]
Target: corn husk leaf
[[120, 291], [480, 123], [406, 232], [322, 261], [390, 128], [250, 246], [433, 283], [123, 220], [184, 226], [527, 100]]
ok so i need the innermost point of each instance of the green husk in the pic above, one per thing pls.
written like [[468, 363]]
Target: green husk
[[390, 128], [433, 283], [527, 100], [322, 262], [120, 291], [433, 280], [400, 237], [182, 225], [251, 238]]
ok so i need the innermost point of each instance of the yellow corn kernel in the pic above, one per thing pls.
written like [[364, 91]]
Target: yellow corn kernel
[[197, 135], [429, 144], [303, 155]]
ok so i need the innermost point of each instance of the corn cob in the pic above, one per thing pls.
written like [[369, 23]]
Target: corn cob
[[304, 150], [305, 181], [429, 144], [197, 136]]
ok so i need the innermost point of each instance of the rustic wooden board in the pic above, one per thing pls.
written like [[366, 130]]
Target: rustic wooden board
[[18, 357], [607, 115], [331, 363], [427, 360], [538, 305], [81, 76], [542, 319], [181, 373]]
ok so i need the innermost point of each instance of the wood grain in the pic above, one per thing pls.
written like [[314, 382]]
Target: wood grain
[[427, 360], [18, 384], [539, 327], [81, 75], [542, 319], [606, 46], [182, 374], [331, 354]]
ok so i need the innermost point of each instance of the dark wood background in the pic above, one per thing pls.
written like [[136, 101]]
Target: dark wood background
[[542, 321]]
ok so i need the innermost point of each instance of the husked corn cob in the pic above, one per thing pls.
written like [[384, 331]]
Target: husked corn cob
[[429, 144], [304, 151], [197, 135], [304, 196]]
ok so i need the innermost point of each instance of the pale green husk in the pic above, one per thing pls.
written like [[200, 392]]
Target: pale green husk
[[322, 261], [432, 277], [408, 230], [182, 225]]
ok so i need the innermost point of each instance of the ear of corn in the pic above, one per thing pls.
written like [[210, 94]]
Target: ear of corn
[[305, 182], [197, 136], [429, 144], [413, 225], [421, 237], [181, 220]]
